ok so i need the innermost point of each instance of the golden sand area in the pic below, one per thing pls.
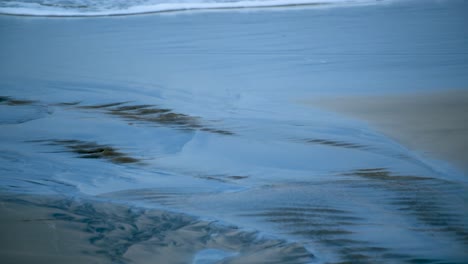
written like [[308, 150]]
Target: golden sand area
[[435, 124]]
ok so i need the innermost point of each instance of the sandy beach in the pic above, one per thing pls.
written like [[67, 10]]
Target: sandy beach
[[431, 123], [326, 133], [49, 229]]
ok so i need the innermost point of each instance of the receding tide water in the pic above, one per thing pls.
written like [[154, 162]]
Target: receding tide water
[[180, 137]]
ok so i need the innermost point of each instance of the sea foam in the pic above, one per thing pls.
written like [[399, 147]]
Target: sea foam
[[114, 8]]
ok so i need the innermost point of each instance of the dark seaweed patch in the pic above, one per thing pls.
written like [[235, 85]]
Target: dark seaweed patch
[[14, 102], [101, 105], [237, 177], [335, 143], [3, 99], [68, 103], [92, 150], [384, 175], [137, 108], [152, 114], [373, 148], [222, 177]]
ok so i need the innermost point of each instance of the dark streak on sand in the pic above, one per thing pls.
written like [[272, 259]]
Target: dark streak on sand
[[14, 102], [92, 150], [153, 114], [67, 104], [335, 143], [145, 113], [222, 177]]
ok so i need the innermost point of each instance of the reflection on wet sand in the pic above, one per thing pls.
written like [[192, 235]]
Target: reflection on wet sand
[[57, 230], [155, 115], [330, 226], [343, 226], [427, 199], [163, 196], [92, 150]]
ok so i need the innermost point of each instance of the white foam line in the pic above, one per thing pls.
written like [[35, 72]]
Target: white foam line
[[173, 7]]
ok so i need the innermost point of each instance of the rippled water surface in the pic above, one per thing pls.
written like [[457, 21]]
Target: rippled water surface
[[181, 137]]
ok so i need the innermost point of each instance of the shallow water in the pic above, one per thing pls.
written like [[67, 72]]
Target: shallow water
[[196, 116]]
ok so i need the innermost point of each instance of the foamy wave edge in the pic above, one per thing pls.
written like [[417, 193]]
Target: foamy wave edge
[[175, 7]]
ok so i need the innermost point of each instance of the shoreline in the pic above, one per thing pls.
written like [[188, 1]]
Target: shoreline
[[179, 138], [433, 124], [158, 8], [54, 229]]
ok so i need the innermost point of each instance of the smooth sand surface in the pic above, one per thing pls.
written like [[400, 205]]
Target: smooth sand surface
[[434, 123], [34, 234]]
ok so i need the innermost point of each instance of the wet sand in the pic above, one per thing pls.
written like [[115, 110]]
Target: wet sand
[[197, 113], [55, 229], [435, 124]]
